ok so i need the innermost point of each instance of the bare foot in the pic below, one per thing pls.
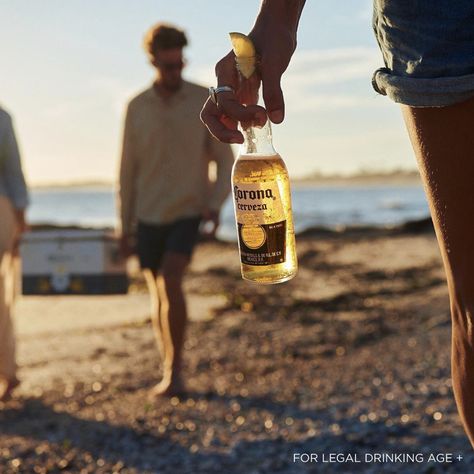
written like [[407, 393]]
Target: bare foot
[[7, 387], [168, 387]]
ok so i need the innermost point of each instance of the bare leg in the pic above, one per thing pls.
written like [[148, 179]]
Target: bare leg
[[151, 282], [7, 387], [443, 141], [8, 367], [173, 318]]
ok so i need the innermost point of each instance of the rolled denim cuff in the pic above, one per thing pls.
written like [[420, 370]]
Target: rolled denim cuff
[[423, 92]]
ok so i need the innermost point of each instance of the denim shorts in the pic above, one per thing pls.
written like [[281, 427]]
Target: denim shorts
[[428, 50]]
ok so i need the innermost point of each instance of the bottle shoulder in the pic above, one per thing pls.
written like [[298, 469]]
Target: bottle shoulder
[[260, 159], [265, 167]]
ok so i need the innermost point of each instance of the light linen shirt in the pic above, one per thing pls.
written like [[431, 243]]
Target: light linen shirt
[[12, 181], [164, 172]]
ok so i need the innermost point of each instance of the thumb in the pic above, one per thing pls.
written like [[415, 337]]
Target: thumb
[[273, 95]]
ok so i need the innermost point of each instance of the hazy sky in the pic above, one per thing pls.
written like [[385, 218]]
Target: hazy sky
[[68, 67]]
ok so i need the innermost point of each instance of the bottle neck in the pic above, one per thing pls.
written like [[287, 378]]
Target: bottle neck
[[257, 141]]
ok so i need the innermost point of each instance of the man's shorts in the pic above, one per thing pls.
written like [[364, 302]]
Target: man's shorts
[[428, 50], [153, 240]]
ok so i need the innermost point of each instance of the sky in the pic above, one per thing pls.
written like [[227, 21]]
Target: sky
[[68, 68]]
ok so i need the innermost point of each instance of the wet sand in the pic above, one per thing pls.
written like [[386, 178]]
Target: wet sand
[[352, 356]]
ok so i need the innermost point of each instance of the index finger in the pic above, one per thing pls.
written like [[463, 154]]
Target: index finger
[[222, 128], [228, 102]]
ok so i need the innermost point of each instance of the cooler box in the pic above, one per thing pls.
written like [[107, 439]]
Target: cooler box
[[72, 262]]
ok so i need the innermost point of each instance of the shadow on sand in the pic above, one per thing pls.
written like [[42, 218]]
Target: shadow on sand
[[80, 443]]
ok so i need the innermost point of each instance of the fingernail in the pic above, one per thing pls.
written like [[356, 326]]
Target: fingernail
[[236, 140], [276, 116]]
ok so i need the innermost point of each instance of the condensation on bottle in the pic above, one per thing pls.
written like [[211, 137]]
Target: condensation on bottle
[[263, 214]]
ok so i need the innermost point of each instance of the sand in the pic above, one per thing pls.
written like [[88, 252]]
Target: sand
[[352, 356]]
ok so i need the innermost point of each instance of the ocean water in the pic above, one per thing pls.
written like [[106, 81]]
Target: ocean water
[[321, 206]]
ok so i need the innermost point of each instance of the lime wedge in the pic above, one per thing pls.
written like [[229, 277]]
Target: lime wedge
[[245, 54]]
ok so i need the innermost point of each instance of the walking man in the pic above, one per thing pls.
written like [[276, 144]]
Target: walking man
[[165, 190], [13, 202]]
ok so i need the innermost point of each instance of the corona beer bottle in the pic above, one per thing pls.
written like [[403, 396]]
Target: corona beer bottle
[[262, 203]]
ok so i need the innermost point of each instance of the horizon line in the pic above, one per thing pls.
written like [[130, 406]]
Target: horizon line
[[312, 176]]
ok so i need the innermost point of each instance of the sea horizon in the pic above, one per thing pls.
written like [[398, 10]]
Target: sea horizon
[[331, 205], [316, 178]]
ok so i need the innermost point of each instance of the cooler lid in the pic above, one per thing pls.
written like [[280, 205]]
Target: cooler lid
[[68, 235]]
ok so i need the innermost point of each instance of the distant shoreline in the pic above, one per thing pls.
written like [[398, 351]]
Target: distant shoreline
[[74, 185], [392, 178], [407, 227]]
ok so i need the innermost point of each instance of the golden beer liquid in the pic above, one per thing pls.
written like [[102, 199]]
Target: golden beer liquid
[[267, 171]]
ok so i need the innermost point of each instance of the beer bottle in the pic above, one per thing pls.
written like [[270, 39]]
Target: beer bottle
[[262, 203]]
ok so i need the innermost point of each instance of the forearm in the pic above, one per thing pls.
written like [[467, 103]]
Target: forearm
[[220, 191], [127, 206], [127, 177], [127, 194], [278, 16], [12, 170], [20, 215], [223, 156]]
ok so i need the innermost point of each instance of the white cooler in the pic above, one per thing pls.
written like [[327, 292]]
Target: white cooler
[[66, 262]]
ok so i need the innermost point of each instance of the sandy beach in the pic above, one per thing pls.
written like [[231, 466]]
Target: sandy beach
[[352, 356]]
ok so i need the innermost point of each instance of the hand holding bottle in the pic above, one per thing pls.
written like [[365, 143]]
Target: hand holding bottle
[[274, 37]]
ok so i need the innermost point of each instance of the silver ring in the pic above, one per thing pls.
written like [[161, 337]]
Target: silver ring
[[213, 91]]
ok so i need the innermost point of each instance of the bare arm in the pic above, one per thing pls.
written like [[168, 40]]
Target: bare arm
[[127, 183], [274, 35], [221, 154], [12, 170], [10, 161]]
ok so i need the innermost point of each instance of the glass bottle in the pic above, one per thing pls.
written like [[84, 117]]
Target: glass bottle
[[262, 204]]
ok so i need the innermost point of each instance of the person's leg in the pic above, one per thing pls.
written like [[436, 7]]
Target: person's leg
[[151, 241], [443, 141], [8, 379], [151, 281], [173, 318]]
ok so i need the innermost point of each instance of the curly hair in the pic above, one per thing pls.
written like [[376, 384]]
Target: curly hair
[[163, 36]]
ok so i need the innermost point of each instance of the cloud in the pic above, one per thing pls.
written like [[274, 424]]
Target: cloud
[[115, 91], [300, 102], [308, 83], [107, 92], [65, 109], [316, 78], [321, 67], [365, 13], [203, 74]]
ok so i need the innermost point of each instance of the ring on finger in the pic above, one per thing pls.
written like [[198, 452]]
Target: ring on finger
[[213, 91]]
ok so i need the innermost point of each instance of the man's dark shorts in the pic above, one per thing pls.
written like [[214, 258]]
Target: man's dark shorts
[[153, 240]]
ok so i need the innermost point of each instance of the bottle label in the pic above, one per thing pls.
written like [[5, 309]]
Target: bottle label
[[261, 223], [262, 244]]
